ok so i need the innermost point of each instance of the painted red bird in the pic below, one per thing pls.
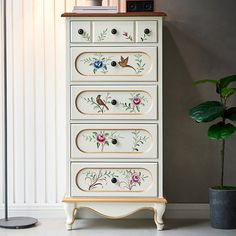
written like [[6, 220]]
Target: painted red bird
[[100, 101]]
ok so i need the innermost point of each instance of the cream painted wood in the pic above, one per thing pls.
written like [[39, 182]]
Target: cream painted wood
[[143, 37], [93, 64], [123, 31], [114, 210], [96, 141], [133, 179], [123, 102], [85, 35], [101, 143]]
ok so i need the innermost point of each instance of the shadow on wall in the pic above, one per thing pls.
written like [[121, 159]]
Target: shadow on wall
[[188, 154]]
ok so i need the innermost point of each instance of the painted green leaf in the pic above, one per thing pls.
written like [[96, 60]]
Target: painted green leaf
[[207, 111], [98, 144], [221, 131], [230, 114]]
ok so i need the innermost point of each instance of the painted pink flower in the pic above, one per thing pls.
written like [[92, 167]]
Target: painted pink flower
[[136, 101], [135, 178], [101, 138], [125, 34]]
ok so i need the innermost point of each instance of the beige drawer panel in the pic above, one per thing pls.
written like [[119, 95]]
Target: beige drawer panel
[[146, 31], [114, 102], [81, 32], [106, 179], [113, 64], [113, 31], [114, 141]]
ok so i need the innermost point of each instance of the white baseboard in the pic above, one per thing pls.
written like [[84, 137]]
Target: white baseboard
[[173, 211]]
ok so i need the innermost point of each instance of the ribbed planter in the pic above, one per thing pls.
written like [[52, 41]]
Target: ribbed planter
[[222, 208]]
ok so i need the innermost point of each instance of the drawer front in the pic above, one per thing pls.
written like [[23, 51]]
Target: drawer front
[[105, 179], [113, 64], [146, 31], [114, 141], [113, 31], [114, 102], [80, 32]]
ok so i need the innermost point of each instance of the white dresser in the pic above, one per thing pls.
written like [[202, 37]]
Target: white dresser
[[114, 114]]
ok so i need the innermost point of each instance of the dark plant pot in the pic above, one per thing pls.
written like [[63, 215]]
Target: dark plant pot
[[222, 208]]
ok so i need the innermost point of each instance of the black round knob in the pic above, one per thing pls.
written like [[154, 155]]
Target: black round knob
[[113, 63], [114, 180], [113, 31], [146, 31], [113, 102], [80, 31], [114, 141]]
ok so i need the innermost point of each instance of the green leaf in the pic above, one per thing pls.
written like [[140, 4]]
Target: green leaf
[[230, 114], [205, 81], [224, 82], [98, 144], [221, 131], [227, 92], [207, 111]]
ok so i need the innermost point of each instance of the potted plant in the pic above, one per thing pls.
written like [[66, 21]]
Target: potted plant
[[222, 198]]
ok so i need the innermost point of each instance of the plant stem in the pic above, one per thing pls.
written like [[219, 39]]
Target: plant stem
[[222, 163]]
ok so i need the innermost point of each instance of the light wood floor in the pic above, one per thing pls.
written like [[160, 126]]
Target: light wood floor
[[50, 227]]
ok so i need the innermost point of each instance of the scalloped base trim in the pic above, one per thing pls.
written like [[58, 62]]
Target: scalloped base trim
[[114, 208]]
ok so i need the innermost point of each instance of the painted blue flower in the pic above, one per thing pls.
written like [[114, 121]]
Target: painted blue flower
[[98, 64]]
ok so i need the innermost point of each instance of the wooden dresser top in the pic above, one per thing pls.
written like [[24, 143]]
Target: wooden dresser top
[[126, 14]]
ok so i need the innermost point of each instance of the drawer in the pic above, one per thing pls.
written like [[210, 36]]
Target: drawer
[[146, 31], [113, 31], [114, 102], [113, 64], [114, 141], [106, 179], [80, 32]]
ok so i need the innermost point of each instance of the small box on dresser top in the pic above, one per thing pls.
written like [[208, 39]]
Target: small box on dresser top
[[115, 114]]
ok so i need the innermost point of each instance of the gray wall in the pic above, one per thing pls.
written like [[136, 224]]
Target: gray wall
[[199, 43]]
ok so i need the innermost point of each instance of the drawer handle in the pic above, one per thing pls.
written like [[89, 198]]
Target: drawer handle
[[114, 180], [113, 63], [113, 102], [80, 31], [113, 31], [147, 31], [114, 141]]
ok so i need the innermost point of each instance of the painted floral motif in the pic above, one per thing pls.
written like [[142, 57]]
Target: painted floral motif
[[137, 101], [140, 64], [131, 178], [97, 179], [145, 37], [98, 63], [126, 179], [102, 138], [99, 103], [102, 35], [138, 140], [127, 36], [86, 36]]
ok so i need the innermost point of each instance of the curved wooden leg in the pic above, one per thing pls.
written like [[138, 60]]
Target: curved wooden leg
[[70, 211], [159, 209]]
